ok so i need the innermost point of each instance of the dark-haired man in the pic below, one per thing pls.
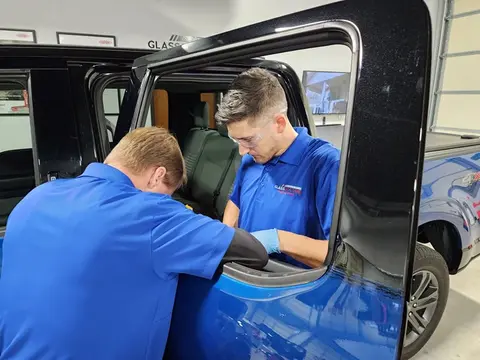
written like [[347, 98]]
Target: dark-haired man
[[285, 185]]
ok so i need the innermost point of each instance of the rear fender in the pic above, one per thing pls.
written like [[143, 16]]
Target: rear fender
[[450, 211]]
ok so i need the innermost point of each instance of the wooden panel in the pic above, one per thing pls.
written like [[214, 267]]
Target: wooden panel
[[160, 108], [210, 99]]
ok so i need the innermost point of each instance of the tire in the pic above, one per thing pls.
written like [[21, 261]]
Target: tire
[[430, 274]]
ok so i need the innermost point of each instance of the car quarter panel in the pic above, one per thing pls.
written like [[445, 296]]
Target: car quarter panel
[[451, 193]]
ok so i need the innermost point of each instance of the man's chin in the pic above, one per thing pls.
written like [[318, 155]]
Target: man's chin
[[259, 159]]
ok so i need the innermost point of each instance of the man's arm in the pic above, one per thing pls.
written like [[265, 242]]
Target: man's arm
[[183, 242], [230, 215], [246, 250], [311, 252]]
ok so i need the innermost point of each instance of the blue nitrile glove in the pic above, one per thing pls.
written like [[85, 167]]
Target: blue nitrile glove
[[269, 239]]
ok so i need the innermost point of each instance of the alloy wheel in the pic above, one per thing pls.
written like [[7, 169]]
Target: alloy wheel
[[421, 305]]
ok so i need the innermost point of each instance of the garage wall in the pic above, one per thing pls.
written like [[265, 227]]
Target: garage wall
[[148, 23], [457, 98]]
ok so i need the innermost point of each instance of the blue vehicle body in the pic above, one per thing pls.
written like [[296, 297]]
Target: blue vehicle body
[[325, 319], [450, 193]]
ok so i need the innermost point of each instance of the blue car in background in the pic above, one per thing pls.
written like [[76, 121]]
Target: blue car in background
[[394, 242]]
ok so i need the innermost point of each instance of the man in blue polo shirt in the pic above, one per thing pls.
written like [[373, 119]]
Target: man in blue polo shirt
[[90, 264], [285, 185]]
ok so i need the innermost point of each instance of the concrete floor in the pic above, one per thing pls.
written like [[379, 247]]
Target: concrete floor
[[457, 335]]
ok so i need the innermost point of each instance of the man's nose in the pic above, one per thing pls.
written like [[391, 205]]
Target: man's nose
[[242, 150]]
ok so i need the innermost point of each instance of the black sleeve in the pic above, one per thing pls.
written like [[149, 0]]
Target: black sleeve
[[246, 250]]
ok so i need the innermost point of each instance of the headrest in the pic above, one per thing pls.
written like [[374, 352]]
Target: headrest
[[200, 115], [222, 129], [16, 163]]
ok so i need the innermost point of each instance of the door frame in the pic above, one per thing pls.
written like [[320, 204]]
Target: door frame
[[384, 107]]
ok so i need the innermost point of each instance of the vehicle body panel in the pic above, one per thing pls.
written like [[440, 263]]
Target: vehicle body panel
[[450, 192], [325, 319]]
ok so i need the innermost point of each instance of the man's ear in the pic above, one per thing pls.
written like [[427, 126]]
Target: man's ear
[[158, 176], [281, 122]]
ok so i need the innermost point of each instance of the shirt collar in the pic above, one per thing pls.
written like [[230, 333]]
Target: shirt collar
[[107, 172], [295, 151]]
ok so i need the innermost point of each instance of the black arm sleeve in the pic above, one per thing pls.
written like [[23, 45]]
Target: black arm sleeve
[[246, 250]]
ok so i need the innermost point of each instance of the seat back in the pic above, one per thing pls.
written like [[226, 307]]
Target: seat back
[[195, 141], [17, 179], [211, 170], [227, 185]]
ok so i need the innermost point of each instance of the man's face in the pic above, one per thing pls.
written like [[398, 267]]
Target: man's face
[[258, 138]]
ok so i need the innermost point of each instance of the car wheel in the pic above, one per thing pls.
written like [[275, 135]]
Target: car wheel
[[426, 304]]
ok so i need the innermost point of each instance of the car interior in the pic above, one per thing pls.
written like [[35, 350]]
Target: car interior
[[211, 157], [17, 179]]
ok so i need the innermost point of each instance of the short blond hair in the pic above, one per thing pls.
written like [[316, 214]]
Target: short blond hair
[[148, 147]]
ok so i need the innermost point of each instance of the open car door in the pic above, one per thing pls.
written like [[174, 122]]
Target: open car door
[[355, 306]]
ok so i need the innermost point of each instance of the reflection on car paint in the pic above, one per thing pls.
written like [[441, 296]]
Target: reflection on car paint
[[451, 192], [325, 319]]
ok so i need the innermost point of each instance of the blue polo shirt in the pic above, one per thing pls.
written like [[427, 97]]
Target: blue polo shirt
[[90, 268], [293, 192]]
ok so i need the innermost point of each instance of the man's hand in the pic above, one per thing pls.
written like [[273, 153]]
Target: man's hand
[[269, 239]]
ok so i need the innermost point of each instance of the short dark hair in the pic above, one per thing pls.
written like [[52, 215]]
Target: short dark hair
[[253, 93]]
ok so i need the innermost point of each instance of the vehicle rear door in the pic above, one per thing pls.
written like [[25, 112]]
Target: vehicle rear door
[[354, 306], [48, 119], [38, 131]]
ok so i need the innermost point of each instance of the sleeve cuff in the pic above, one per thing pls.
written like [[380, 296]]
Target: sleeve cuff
[[224, 239]]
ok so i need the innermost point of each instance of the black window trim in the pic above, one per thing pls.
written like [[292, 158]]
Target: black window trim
[[303, 36]]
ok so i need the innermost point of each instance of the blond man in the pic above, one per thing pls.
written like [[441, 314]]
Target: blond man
[[91, 264]]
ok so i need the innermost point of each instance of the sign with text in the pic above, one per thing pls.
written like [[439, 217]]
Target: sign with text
[[86, 39], [12, 36], [175, 40]]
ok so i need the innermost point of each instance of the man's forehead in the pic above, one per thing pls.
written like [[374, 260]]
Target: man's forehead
[[244, 127]]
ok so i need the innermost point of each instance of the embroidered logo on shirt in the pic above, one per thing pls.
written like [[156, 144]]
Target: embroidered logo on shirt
[[289, 190]]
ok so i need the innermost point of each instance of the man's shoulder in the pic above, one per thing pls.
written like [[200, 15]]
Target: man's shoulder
[[319, 149]]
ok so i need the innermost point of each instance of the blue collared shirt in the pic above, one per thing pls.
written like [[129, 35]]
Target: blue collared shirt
[[293, 192], [91, 265]]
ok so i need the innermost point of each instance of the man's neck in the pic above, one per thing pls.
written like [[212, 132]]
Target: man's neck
[[289, 137], [116, 165]]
